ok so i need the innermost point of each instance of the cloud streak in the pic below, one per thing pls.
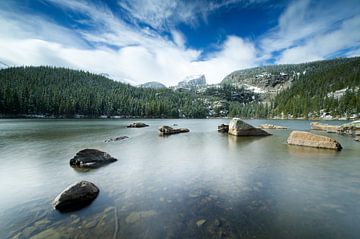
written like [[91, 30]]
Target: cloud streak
[[136, 54]]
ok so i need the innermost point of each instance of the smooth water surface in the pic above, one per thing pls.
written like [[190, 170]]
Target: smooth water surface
[[201, 184]]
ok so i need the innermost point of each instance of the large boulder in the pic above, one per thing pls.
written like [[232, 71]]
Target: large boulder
[[137, 125], [76, 196], [238, 127], [302, 138], [324, 127], [223, 128], [91, 158], [271, 126], [167, 130]]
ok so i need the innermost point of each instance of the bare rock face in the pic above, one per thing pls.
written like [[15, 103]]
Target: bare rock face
[[91, 158], [137, 125], [167, 130], [324, 127], [302, 138], [271, 126], [223, 128], [76, 196], [238, 127]]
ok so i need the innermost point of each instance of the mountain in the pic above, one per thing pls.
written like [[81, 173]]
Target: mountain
[[270, 80], [153, 85], [192, 82]]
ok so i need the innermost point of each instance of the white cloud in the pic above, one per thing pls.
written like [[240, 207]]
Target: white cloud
[[313, 30], [137, 54], [143, 55]]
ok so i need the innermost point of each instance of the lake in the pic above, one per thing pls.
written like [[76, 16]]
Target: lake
[[201, 184]]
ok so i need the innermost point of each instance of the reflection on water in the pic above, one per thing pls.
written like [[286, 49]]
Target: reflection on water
[[201, 184]]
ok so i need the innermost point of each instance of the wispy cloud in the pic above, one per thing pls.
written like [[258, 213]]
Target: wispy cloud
[[137, 52]]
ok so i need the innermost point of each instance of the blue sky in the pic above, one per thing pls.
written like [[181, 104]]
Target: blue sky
[[167, 40]]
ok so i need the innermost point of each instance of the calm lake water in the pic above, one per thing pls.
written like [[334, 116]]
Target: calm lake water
[[201, 184]]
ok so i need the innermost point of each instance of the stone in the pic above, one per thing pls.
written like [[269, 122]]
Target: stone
[[352, 128], [116, 139], [200, 222], [238, 127], [223, 128], [324, 127], [137, 125], [76, 196], [167, 130], [271, 126], [91, 158], [136, 216], [302, 138]]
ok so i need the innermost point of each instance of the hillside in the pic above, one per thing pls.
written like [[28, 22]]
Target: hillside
[[58, 92], [271, 80]]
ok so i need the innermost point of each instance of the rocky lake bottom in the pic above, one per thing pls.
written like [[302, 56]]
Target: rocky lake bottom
[[201, 184]]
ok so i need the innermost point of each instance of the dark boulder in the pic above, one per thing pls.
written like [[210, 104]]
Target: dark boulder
[[76, 196], [167, 130], [137, 125], [91, 158], [223, 128]]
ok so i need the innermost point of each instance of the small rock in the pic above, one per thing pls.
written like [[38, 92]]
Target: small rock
[[200, 222], [223, 128], [271, 126], [167, 130], [324, 127], [137, 125], [116, 139]]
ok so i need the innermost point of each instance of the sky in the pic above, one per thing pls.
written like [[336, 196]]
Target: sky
[[138, 41]]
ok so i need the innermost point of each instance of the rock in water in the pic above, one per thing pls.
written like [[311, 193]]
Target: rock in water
[[352, 128], [91, 158], [167, 130], [302, 138], [238, 127], [76, 196], [116, 139], [324, 127], [137, 125], [223, 128], [271, 126]]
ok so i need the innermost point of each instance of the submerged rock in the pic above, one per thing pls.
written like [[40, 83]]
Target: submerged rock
[[91, 158], [167, 130], [238, 127], [76, 196], [271, 126], [302, 138], [137, 125], [325, 127], [136, 216], [200, 222], [223, 128], [116, 139]]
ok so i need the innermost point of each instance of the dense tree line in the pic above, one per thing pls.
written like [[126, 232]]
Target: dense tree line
[[65, 92], [313, 92]]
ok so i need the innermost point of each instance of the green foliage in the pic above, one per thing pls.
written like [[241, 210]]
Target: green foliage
[[313, 92], [65, 92]]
